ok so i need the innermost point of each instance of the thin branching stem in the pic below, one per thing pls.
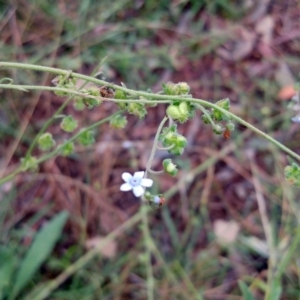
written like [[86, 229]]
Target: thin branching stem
[[159, 98], [154, 146]]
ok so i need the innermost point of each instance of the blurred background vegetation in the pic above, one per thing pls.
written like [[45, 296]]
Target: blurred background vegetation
[[208, 240]]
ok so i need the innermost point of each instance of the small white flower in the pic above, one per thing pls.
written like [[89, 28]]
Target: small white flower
[[135, 183]]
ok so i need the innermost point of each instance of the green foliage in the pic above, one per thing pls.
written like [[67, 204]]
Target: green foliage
[[247, 295], [41, 247], [7, 267]]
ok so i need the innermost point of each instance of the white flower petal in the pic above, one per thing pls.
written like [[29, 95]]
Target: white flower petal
[[146, 182], [138, 191], [126, 176], [156, 200], [139, 175], [125, 187], [296, 119]]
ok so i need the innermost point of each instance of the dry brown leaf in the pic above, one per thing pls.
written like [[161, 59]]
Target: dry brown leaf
[[108, 251]]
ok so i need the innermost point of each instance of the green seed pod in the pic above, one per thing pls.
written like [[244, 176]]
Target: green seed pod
[[46, 141], [218, 129], [68, 124], [169, 167], [118, 122]]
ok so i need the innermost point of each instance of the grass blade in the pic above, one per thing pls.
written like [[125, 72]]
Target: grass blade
[[40, 249]]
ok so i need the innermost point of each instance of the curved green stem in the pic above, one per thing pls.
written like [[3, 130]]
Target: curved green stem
[[74, 93], [147, 241], [155, 172], [156, 97], [165, 148], [154, 146]]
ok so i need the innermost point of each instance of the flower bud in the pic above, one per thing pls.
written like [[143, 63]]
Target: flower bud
[[118, 122], [230, 126], [121, 96], [292, 174], [205, 118], [78, 104], [46, 141], [178, 112], [29, 164], [169, 167], [86, 138], [183, 88], [137, 109], [67, 82], [218, 129], [67, 149], [68, 124], [224, 103]]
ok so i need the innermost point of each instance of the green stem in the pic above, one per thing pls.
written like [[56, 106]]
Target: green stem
[[151, 96], [147, 241], [26, 88], [154, 146]]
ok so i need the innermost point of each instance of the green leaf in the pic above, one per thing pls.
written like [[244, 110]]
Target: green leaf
[[247, 295], [40, 249], [7, 264]]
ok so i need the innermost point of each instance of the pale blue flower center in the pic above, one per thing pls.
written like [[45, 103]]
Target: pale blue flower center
[[135, 181]]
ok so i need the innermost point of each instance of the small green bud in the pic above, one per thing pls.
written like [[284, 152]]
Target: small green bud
[[170, 137], [230, 126], [154, 201], [86, 138], [46, 141], [137, 109], [93, 91], [121, 96], [29, 164], [118, 122], [292, 174], [67, 82], [224, 103], [181, 111], [78, 104], [68, 124], [217, 115], [169, 167], [67, 149], [173, 112], [218, 129], [205, 118], [183, 88], [169, 88]]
